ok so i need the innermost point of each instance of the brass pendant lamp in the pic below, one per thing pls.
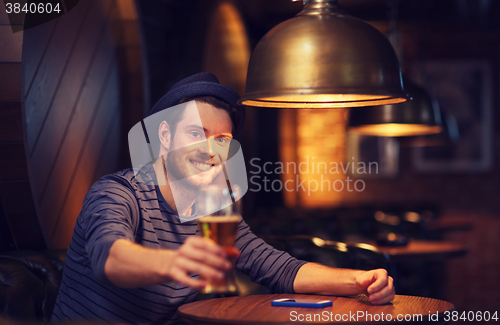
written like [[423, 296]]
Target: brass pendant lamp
[[323, 58], [418, 116], [450, 135]]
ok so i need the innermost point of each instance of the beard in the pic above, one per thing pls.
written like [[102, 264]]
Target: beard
[[192, 170]]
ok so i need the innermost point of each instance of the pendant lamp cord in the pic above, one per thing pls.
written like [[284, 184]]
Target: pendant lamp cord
[[393, 34]]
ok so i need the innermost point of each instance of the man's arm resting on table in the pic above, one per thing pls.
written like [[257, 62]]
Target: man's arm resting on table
[[130, 265], [320, 279]]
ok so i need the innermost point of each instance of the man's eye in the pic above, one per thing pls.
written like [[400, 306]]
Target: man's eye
[[195, 134], [222, 141]]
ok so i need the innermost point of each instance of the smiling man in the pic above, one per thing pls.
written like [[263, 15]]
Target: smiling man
[[198, 149], [193, 150], [132, 259]]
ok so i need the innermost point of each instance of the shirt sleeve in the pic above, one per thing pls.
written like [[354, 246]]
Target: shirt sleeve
[[264, 264], [110, 212]]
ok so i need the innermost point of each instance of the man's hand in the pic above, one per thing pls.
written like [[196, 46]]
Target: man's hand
[[201, 256], [377, 285], [323, 280], [130, 265]]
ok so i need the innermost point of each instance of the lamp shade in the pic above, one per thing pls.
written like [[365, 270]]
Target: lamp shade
[[450, 135], [323, 58], [418, 116]]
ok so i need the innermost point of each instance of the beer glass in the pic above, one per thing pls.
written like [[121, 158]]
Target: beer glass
[[220, 208]]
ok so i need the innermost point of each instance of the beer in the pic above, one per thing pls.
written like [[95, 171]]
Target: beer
[[222, 230]]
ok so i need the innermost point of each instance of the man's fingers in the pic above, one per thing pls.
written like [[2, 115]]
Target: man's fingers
[[364, 280], [205, 271], [204, 244], [205, 257], [380, 277], [206, 251], [384, 295], [378, 285], [189, 281]]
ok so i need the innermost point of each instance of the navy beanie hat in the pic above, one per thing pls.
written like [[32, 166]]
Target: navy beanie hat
[[201, 84]]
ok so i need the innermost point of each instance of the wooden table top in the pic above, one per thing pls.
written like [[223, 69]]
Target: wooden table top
[[425, 249], [257, 309]]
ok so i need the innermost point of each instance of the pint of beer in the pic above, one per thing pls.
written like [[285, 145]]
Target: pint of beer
[[222, 230], [221, 210]]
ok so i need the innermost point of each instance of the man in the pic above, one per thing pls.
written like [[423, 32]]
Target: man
[[132, 260]]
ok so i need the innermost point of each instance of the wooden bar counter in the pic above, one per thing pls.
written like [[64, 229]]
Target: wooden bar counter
[[425, 250]]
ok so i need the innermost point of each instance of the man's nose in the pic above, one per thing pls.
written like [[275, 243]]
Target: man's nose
[[206, 148]]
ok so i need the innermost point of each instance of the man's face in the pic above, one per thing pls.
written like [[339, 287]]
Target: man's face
[[200, 145]]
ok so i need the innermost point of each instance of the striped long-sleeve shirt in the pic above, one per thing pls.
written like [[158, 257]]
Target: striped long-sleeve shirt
[[119, 206]]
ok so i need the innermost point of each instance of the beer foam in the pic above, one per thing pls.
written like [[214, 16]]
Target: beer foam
[[220, 219]]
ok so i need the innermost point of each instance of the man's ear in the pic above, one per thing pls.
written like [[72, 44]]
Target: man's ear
[[165, 135]]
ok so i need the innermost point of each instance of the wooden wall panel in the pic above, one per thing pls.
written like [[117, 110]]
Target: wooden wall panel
[[4, 18], [75, 96], [130, 56], [37, 49], [13, 169], [70, 130], [73, 106], [69, 154], [11, 124], [129, 34], [71, 74], [10, 44], [107, 127], [13, 163], [108, 156], [126, 10], [129, 52], [57, 133], [49, 74], [10, 78], [98, 157]]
